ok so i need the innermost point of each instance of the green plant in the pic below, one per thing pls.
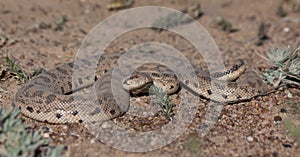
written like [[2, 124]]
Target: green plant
[[280, 11], [60, 22], [44, 25], [261, 34], [15, 70], [178, 18], [225, 25], [285, 66], [163, 99], [172, 20], [3, 39], [16, 141]]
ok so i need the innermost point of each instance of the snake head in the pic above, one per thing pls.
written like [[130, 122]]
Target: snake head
[[138, 83]]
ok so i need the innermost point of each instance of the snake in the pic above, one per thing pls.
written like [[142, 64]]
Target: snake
[[49, 97]]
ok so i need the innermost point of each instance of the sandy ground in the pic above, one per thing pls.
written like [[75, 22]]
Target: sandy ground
[[243, 129]]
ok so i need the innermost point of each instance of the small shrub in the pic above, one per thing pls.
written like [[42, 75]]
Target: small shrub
[[15, 70], [285, 66], [163, 99], [16, 141]]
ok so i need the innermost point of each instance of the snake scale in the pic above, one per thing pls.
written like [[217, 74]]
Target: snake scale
[[46, 97]]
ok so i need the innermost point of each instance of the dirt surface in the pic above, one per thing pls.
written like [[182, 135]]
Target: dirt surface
[[252, 128]]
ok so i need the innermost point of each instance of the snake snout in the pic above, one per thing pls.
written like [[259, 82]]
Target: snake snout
[[138, 83]]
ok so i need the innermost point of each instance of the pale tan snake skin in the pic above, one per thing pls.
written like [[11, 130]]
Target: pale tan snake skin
[[44, 98]]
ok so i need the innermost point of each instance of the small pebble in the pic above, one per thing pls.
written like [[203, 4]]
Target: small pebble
[[234, 115], [277, 119], [250, 139], [63, 134], [289, 95], [92, 141], [265, 122], [75, 134], [104, 125], [287, 145], [286, 29], [65, 127], [46, 135], [283, 110]]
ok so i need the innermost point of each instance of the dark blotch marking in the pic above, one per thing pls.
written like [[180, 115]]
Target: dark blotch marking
[[45, 79], [62, 89], [96, 111], [209, 92], [195, 85], [219, 86], [155, 74], [38, 93], [186, 81], [88, 78], [80, 80], [224, 96], [70, 85], [238, 97], [38, 111], [51, 74], [28, 87], [70, 64], [112, 112], [252, 84], [235, 67], [30, 109], [46, 121], [50, 98], [62, 70], [74, 113], [57, 115], [69, 100]]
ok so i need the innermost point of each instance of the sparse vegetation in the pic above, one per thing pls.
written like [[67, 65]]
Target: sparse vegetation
[[170, 21], [44, 25], [225, 25], [3, 39], [176, 19], [285, 68], [60, 22], [262, 35], [17, 141], [280, 11], [15, 70], [163, 99]]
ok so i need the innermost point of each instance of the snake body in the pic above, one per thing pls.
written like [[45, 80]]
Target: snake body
[[47, 96]]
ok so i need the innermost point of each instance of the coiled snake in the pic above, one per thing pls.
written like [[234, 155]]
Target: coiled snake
[[44, 98]]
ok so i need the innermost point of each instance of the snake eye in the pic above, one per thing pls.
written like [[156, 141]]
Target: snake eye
[[171, 87]]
